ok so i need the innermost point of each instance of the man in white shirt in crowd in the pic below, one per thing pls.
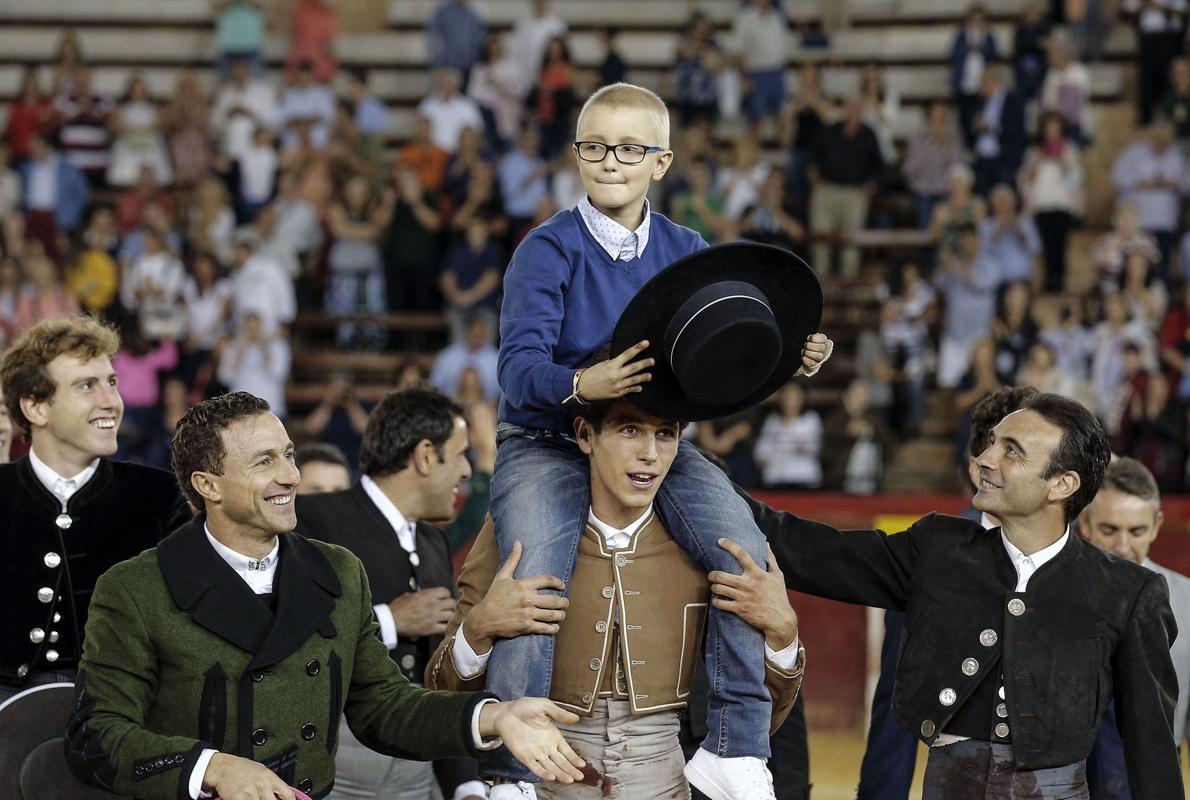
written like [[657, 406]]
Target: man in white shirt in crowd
[[531, 35], [449, 110], [242, 105], [307, 99], [260, 282]]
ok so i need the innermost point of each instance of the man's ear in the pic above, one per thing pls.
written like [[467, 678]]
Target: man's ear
[[36, 411], [425, 456], [583, 433], [207, 486], [1158, 519], [1064, 485], [1084, 526]]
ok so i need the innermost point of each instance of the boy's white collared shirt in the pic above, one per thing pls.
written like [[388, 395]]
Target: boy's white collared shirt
[[618, 242]]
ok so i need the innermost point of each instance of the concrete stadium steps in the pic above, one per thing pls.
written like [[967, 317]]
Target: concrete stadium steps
[[922, 466]]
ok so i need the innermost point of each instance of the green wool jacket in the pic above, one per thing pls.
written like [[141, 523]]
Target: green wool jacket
[[181, 656]]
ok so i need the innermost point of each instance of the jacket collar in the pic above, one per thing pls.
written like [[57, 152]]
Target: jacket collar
[[202, 583], [43, 496]]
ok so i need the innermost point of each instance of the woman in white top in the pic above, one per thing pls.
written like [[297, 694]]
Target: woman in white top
[[881, 105], [138, 139], [788, 450], [1051, 183]]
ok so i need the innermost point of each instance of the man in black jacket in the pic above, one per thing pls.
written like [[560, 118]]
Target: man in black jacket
[[413, 458], [1016, 639], [67, 512]]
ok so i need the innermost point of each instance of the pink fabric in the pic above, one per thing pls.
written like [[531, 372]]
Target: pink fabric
[[139, 384], [313, 31], [34, 306]]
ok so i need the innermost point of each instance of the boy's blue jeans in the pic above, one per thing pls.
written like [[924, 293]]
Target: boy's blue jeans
[[541, 496]]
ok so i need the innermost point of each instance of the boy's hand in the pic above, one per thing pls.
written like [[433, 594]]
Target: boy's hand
[[616, 377], [816, 351]]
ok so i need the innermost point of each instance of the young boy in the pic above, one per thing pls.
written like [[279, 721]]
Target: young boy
[[566, 287]]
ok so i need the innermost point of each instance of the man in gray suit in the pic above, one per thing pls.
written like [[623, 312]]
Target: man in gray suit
[[1124, 520]]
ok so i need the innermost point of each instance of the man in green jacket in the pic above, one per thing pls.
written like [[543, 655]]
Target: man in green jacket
[[220, 661]]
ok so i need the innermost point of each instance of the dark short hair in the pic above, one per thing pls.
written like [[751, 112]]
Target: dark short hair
[[1082, 449], [1129, 476], [198, 437], [987, 413], [596, 414], [401, 421], [320, 453]]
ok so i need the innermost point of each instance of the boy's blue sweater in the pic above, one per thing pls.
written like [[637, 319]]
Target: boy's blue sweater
[[563, 295]]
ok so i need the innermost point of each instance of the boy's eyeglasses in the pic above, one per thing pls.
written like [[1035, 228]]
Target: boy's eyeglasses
[[625, 153]]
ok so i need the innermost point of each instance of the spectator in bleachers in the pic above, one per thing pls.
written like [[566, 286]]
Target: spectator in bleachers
[[1052, 187], [1144, 294], [68, 63], [524, 191], [10, 292], [1162, 26], [1009, 238], [1029, 56], [1117, 330], [131, 203], [43, 295], [1175, 104], [531, 35], [961, 208], [356, 221], [933, 150], [1072, 342], [695, 73], [242, 105], [732, 439], [140, 364], [309, 100], [93, 277], [499, 89], [239, 35], [1013, 329], [139, 141], [207, 295], [906, 302], [211, 222], [967, 282], [313, 29], [700, 207], [1067, 90], [28, 114], [259, 283], [1150, 174], [187, 124], [298, 225], [455, 36], [857, 444], [81, 119], [275, 241], [12, 232], [553, 98], [788, 450], [1174, 340], [474, 350], [371, 115], [470, 279], [257, 360], [409, 375], [55, 197], [309, 166], [153, 217], [768, 220], [979, 381], [882, 107], [762, 42], [740, 179], [448, 111], [413, 247], [483, 200], [339, 419], [10, 184], [101, 232], [566, 184], [999, 138], [324, 468], [972, 51], [1041, 371], [176, 399], [258, 176], [462, 163], [1159, 433], [151, 289], [426, 159], [612, 69], [1125, 408], [1110, 250]]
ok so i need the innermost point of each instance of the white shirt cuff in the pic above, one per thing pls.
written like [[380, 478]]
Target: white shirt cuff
[[480, 742], [200, 772], [470, 789], [468, 663], [785, 658], [830, 348], [388, 625]]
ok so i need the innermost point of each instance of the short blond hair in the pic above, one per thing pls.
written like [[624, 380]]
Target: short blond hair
[[629, 95]]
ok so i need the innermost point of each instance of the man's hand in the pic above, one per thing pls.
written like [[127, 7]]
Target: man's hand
[[616, 377], [527, 728], [235, 778], [814, 353], [513, 608], [423, 613], [757, 597]]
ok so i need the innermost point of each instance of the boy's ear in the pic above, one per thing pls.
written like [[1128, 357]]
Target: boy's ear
[[663, 163], [583, 435]]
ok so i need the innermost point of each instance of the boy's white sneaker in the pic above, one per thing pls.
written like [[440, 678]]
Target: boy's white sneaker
[[521, 790], [741, 778]]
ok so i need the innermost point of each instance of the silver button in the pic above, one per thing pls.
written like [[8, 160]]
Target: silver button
[[1001, 710], [608, 592], [414, 559], [36, 635], [927, 728], [413, 584], [57, 617], [601, 627], [587, 697], [970, 666], [947, 697], [407, 662], [22, 670], [1016, 606], [1001, 730], [53, 636], [52, 560], [51, 655], [1001, 693], [621, 561], [595, 664], [988, 638], [45, 594], [63, 521]]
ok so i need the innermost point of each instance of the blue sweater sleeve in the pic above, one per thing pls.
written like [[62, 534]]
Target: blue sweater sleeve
[[531, 323]]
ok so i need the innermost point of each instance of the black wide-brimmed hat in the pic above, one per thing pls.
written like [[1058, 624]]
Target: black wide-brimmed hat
[[32, 758], [726, 326]]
